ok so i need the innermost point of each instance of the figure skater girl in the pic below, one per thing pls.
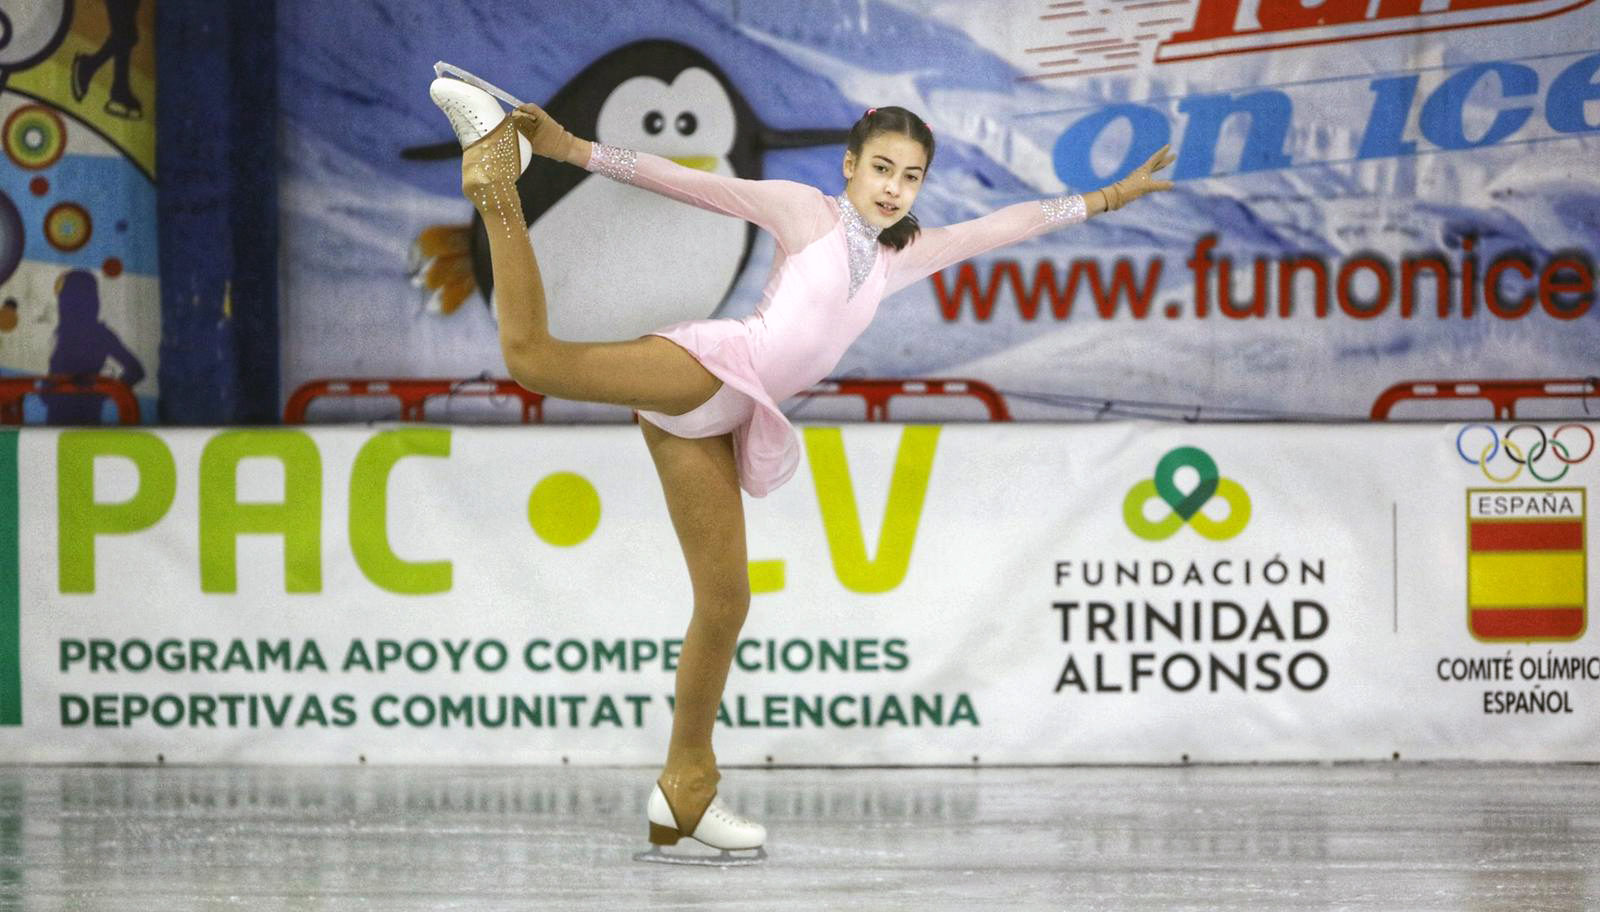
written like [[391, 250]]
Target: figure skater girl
[[708, 390]]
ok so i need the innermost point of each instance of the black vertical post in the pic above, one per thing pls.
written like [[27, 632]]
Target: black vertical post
[[216, 192]]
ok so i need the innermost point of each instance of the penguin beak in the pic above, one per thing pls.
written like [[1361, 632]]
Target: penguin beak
[[698, 162]]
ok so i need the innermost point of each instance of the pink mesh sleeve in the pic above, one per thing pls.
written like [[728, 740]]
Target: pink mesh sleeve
[[936, 248], [787, 209]]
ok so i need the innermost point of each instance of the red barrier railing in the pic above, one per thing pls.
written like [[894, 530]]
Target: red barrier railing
[[413, 395], [13, 390], [1503, 395], [877, 393]]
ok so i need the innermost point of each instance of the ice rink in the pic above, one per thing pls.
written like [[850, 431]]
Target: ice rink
[[1367, 836]]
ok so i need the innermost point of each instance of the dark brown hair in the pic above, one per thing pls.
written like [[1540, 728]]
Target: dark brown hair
[[893, 120]]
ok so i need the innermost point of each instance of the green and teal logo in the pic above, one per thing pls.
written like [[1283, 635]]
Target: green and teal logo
[[1186, 506], [10, 586]]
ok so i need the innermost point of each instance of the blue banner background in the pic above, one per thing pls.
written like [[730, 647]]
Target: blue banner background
[[353, 95]]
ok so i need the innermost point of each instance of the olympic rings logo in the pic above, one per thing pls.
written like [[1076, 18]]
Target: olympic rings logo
[[1549, 451], [1186, 505]]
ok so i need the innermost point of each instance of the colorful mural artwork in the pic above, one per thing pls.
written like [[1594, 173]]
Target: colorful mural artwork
[[78, 265]]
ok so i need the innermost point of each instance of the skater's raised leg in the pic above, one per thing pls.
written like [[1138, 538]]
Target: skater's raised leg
[[649, 373]]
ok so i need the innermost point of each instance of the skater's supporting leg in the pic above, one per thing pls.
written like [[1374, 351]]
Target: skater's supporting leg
[[701, 484], [649, 373]]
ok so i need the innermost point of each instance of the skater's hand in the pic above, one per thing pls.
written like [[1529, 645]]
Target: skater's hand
[[547, 137], [1141, 181]]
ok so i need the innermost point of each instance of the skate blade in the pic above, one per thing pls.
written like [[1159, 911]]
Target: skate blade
[[726, 860], [442, 69]]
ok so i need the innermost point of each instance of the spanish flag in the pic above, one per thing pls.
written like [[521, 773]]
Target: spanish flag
[[1526, 577]]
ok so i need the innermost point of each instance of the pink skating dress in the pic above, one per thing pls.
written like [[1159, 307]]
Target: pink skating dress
[[828, 274]]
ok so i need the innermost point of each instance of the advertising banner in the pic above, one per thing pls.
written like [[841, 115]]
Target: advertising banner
[[922, 594], [1366, 193]]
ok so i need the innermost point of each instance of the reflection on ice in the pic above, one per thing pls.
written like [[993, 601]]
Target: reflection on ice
[[1268, 837]]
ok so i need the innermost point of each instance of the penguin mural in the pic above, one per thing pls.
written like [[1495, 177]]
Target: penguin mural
[[612, 256]]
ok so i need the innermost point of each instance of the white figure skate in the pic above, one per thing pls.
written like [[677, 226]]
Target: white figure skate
[[718, 828], [470, 104]]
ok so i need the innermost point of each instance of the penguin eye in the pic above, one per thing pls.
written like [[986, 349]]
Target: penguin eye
[[687, 123], [654, 122]]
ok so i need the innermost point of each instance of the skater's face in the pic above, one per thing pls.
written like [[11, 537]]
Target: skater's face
[[884, 179]]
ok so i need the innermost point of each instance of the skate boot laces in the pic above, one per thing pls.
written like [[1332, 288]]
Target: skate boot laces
[[720, 811]]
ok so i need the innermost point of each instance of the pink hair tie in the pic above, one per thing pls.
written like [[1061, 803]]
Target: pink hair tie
[[871, 111], [926, 127]]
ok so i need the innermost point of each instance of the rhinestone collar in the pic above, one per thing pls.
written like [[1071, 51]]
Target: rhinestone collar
[[861, 240]]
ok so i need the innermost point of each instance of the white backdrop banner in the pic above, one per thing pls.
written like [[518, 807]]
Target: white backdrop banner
[[1011, 593]]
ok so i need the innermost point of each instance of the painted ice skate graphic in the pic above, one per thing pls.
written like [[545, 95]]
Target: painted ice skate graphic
[[116, 50]]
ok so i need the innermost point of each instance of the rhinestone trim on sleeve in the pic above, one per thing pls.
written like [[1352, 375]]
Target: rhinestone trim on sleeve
[[1066, 210], [614, 162]]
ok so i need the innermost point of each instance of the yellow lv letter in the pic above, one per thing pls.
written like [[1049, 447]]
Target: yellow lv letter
[[836, 499]]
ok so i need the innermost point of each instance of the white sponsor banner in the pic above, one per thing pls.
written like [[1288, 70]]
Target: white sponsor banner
[[1005, 593]]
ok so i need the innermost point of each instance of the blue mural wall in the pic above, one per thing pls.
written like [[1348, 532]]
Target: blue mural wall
[[1366, 194]]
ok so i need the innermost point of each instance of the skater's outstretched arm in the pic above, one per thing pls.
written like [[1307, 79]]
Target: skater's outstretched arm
[[936, 248], [794, 213], [787, 209]]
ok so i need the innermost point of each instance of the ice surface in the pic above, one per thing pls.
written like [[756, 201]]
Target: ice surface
[[1379, 837]]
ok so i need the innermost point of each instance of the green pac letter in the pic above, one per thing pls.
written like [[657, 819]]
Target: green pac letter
[[298, 518], [369, 512], [80, 518], [836, 498]]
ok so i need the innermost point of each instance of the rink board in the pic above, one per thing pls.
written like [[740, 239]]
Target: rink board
[[922, 594]]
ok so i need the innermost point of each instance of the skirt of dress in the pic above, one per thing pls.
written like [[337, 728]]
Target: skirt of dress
[[765, 445]]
